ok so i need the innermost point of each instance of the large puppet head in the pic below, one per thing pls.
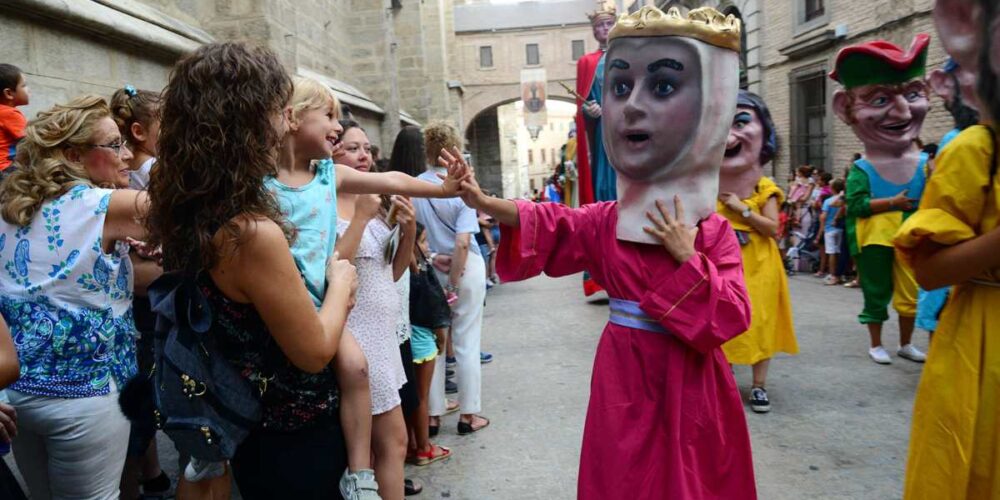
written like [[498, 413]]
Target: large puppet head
[[958, 25], [752, 143], [884, 98], [669, 95], [989, 59], [970, 33], [602, 20], [957, 87]]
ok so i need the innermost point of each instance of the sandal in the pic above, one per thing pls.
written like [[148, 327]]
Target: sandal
[[436, 453], [467, 428], [411, 488]]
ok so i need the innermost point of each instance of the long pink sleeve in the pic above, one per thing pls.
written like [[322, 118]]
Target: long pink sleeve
[[552, 238], [705, 302]]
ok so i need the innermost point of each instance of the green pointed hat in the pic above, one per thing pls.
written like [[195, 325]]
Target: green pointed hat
[[881, 63]]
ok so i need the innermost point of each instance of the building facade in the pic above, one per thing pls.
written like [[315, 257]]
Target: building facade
[[387, 59], [800, 44]]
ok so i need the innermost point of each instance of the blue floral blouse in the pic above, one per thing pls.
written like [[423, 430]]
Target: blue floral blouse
[[68, 304]]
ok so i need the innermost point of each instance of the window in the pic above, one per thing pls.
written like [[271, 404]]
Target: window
[[578, 49], [543, 155], [809, 127], [486, 57], [814, 9], [531, 53], [552, 153], [531, 156]]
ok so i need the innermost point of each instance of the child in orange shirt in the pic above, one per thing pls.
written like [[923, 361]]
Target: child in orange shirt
[[13, 93]]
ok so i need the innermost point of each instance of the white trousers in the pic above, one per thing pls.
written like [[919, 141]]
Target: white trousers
[[466, 332], [70, 448]]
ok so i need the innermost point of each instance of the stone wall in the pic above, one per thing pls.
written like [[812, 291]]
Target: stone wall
[[70, 47], [75, 47], [862, 20], [489, 87]]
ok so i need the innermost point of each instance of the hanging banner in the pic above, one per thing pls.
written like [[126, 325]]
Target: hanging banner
[[533, 94]]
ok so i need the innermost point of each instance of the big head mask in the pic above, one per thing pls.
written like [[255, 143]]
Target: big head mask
[[670, 91], [752, 143], [884, 98]]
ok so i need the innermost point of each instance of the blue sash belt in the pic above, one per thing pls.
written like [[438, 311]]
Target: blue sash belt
[[628, 314]]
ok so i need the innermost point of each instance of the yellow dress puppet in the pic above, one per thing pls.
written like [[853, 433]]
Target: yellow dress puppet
[[771, 330], [955, 443], [744, 194]]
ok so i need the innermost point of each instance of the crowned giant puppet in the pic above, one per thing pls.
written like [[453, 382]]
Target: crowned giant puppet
[[884, 99], [601, 20], [665, 418]]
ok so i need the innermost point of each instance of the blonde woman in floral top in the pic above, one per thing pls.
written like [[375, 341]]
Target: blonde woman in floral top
[[66, 292]]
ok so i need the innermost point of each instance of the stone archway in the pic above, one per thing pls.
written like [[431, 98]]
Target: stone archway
[[482, 132]]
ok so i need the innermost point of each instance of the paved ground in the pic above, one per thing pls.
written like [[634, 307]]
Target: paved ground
[[838, 428]]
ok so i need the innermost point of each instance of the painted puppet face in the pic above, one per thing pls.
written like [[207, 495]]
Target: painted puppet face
[[888, 117], [653, 101], [602, 26], [745, 141]]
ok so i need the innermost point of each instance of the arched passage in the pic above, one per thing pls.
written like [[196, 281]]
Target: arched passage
[[483, 140]]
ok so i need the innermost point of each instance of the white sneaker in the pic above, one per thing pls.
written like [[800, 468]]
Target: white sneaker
[[200, 470], [911, 353], [879, 355], [359, 485]]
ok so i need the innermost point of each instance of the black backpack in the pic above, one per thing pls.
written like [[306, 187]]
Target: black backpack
[[203, 402]]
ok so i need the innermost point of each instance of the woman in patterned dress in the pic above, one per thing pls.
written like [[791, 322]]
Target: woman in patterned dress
[[363, 236]]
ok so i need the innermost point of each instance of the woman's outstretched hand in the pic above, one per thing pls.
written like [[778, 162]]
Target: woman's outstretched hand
[[677, 237]]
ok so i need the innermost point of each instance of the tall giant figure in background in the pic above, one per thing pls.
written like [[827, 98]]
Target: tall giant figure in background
[[884, 100], [601, 20], [665, 418], [588, 143]]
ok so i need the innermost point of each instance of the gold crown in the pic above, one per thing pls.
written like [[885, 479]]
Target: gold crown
[[705, 24], [603, 9]]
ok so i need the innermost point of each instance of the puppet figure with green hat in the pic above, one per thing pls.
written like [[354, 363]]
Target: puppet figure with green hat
[[884, 99]]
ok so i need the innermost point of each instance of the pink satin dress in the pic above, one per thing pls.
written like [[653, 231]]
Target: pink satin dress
[[665, 419]]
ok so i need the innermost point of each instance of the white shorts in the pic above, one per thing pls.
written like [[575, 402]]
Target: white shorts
[[832, 238]]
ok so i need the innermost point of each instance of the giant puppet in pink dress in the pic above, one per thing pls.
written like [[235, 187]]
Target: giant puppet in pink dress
[[665, 418]]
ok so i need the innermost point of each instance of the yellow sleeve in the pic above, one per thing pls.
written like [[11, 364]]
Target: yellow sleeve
[[953, 201], [766, 188]]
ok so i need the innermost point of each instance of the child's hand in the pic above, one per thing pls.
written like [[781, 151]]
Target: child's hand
[[458, 170], [340, 272], [676, 237]]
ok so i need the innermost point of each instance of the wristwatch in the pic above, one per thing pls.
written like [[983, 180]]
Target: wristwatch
[[746, 213], [451, 288]]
